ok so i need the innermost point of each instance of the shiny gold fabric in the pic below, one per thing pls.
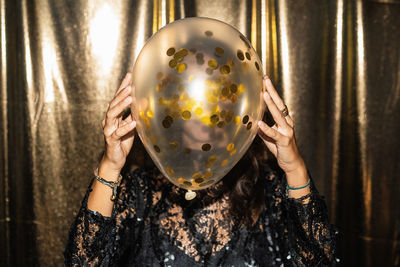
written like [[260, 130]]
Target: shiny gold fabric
[[336, 63]]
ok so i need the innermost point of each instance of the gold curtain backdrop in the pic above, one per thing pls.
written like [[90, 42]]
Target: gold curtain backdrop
[[336, 63]]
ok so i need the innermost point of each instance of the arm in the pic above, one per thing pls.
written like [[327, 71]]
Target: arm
[[301, 213], [95, 235], [92, 236], [98, 240], [280, 140], [308, 239], [118, 135]]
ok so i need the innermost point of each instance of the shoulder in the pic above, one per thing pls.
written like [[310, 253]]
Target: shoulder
[[133, 189], [139, 186], [138, 180], [274, 182]]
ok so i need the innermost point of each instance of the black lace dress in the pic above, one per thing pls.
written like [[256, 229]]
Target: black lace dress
[[153, 225]]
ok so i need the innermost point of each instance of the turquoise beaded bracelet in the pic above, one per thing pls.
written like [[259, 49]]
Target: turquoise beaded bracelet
[[297, 188]]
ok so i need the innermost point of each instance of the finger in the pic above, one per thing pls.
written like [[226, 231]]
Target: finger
[[271, 147], [128, 138], [275, 135], [270, 144], [124, 130], [109, 131], [128, 119], [120, 96], [117, 110], [275, 112], [269, 87], [289, 120], [268, 141], [125, 82]]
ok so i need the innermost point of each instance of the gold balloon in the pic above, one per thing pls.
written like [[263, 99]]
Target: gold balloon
[[197, 99]]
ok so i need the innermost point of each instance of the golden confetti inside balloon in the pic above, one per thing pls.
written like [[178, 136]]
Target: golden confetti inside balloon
[[197, 85]]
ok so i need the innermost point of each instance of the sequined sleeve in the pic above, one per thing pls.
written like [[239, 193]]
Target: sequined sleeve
[[306, 234], [96, 240]]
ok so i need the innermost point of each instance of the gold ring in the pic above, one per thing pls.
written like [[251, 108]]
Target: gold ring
[[285, 111]]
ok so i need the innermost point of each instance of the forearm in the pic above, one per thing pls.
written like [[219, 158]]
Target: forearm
[[100, 197], [311, 235], [91, 236], [298, 178]]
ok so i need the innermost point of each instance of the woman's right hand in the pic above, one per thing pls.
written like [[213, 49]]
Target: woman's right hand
[[118, 133]]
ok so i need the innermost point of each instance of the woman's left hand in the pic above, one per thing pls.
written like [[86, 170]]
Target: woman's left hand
[[280, 138]]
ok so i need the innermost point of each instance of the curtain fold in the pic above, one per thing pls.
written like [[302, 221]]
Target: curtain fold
[[336, 64]]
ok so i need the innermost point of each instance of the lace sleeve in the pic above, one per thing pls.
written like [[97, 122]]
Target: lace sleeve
[[309, 239], [97, 240]]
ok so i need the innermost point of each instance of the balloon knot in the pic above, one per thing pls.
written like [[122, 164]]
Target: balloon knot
[[190, 195]]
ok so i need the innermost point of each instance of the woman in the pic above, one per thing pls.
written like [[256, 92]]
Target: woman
[[252, 217]]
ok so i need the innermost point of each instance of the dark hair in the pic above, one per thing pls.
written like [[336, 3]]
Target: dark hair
[[243, 184]]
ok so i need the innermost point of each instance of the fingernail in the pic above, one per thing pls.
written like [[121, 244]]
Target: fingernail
[[266, 95], [128, 99], [260, 124], [133, 123], [265, 77]]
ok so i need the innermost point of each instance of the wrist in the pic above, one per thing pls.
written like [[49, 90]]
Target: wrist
[[107, 171], [298, 180], [298, 176]]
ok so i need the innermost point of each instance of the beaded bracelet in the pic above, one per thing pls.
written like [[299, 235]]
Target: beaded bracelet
[[297, 188], [113, 185]]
